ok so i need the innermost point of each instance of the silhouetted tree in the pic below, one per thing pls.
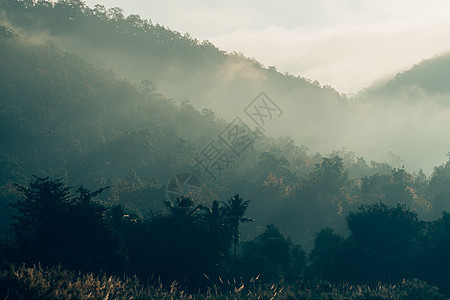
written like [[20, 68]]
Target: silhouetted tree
[[384, 228], [323, 257], [273, 256], [53, 226], [220, 233], [438, 189], [234, 210]]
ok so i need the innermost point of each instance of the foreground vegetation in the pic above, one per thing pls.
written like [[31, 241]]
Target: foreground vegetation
[[192, 250], [54, 283]]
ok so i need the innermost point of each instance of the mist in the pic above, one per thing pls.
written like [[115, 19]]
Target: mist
[[315, 116], [181, 168]]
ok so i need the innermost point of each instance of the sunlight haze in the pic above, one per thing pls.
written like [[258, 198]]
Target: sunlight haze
[[345, 44]]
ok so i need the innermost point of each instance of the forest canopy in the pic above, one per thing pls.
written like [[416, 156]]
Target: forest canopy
[[90, 153]]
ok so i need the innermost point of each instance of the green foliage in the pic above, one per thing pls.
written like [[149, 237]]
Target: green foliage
[[63, 117], [6, 32], [190, 245], [325, 253], [79, 122], [438, 188], [273, 257], [383, 228], [234, 210], [393, 188], [52, 226], [428, 75], [386, 243], [186, 245]]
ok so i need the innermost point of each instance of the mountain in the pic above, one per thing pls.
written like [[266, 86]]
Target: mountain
[[183, 143], [87, 95], [184, 68], [383, 119], [429, 77], [63, 117], [181, 66]]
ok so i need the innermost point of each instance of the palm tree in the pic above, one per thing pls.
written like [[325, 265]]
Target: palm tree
[[234, 210], [214, 217]]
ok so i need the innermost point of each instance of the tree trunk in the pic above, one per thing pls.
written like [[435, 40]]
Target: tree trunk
[[234, 259]]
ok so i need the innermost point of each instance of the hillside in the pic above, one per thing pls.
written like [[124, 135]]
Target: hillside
[[181, 66], [132, 150], [63, 117], [119, 132], [428, 77]]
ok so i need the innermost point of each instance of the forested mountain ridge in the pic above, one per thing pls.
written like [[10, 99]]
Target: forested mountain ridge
[[72, 119], [114, 131], [181, 66], [64, 117], [430, 76], [69, 120]]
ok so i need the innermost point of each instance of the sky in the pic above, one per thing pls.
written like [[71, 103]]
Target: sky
[[347, 44]]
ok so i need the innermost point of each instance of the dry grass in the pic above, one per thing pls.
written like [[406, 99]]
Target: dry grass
[[54, 283]]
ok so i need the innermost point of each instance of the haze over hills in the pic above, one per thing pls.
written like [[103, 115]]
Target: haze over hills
[[317, 117], [181, 67], [430, 76], [63, 117], [129, 109]]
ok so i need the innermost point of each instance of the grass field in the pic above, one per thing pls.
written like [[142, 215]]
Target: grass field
[[41, 283]]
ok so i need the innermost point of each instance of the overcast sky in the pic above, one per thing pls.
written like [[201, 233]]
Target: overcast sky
[[347, 44]]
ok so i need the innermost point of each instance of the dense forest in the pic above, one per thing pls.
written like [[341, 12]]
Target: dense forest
[[90, 149]]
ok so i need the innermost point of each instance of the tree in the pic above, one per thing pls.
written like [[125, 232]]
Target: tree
[[6, 32], [323, 257], [387, 229], [188, 244], [385, 244], [214, 220], [439, 188], [273, 256], [330, 179], [234, 211], [43, 204], [393, 188], [53, 226]]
